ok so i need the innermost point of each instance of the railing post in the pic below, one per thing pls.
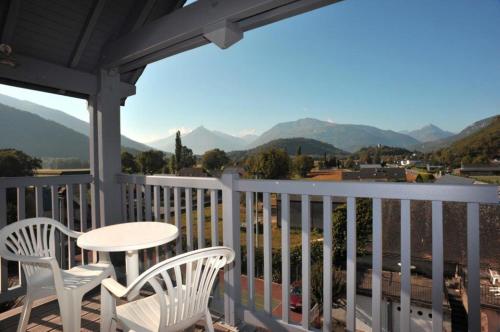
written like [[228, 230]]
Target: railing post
[[231, 238]]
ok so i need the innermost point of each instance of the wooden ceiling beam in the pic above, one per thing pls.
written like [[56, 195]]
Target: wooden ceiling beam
[[46, 76], [87, 33]]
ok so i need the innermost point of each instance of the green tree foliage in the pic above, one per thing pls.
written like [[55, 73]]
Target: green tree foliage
[[184, 156], [363, 228], [214, 160], [317, 285], [302, 165], [187, 158], [299, 151], [178, 151], [16, 163], [269, 164], [129, 164], [151, 161]]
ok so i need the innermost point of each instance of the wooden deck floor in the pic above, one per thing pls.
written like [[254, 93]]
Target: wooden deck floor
[[45, 316]]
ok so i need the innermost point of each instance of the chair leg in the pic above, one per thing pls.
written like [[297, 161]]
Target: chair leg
[[71, 313], [108, 305], [209, 326], [25, 314]]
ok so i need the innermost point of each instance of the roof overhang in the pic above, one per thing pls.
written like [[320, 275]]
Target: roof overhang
[[74, 41]]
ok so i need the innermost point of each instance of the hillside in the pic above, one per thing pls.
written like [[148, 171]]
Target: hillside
[[62, 118], [290, 145], [382, 151], [42, 138], [347, 137], [446, 142], [39, 137], [200, 140], [428, 133], [478, 147]]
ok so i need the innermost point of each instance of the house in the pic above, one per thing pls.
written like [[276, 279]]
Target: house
[[478, 170], [381, 174]]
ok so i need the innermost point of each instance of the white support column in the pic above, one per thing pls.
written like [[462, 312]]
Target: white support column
[[231, 238], [107, 105], [94, 170]]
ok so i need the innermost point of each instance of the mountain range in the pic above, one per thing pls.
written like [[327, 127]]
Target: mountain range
[[39, 137], [23, 124], [63, 119], [202, 139], [348, 137], [448, 141]]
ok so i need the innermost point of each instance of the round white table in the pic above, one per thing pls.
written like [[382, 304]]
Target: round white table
[[129, 237]]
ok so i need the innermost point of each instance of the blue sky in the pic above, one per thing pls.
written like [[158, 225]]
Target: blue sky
[[392, 64]]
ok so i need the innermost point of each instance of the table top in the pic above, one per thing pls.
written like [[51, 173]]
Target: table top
[[128, 236]]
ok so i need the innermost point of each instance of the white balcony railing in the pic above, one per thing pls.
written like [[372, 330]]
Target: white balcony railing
[[211, 210], [233, 189], [65, 198]]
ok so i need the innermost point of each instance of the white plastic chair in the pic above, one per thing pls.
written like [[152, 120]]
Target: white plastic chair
[[181, 285], [32, 243]]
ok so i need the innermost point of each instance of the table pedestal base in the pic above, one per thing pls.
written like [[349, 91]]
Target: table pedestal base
[[132, 266]]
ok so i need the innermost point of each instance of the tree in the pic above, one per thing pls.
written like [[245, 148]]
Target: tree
[[302, 165], [184, 156], [214, 160], [151, 161], [178, 151], [129, 165], [187, 157], [299, 151], [317, 285], [269, 164], [363, 228], [16, 163], [349, 163]]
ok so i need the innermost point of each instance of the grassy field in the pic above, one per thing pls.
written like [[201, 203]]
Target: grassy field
[[295, 234]]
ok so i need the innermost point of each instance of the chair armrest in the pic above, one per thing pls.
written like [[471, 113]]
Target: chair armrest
[[114, 287], [70, 233], [28, 259]]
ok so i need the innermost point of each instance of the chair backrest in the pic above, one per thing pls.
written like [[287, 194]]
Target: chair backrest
[[30, 237], [187, 283]]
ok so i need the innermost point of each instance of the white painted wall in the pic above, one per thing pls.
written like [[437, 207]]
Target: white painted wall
[[421, 319]]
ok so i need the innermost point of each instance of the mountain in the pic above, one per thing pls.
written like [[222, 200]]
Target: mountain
[[39, 137], [308, 146], [200, 140], [62, 118], [446, 142], [428, 133], [481, 145], [248, 139], [347, 137]]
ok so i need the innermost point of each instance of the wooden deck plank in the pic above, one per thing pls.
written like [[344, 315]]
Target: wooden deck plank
[[45, 316]]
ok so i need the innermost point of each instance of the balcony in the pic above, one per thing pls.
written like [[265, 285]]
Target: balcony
[[211, 211]]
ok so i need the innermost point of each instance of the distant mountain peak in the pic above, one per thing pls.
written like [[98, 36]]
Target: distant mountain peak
[[428, 133]]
